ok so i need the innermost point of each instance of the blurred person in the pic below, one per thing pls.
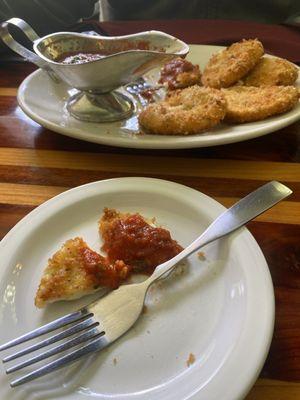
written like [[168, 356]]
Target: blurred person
[[47, 16], [53, 15], [264, 11]]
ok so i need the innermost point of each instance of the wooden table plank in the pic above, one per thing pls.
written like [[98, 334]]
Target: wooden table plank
[[33, 195], [217, 168], [267, 389], [13, 73], [10, 215], [214, 187], [17, 130], [29, 195], [8, 91]]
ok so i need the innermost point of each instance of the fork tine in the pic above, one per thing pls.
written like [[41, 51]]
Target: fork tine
[[139, 81], [61, 362], [130, 90], [87, 323], [133, 90], [57, 349], [58, 323]]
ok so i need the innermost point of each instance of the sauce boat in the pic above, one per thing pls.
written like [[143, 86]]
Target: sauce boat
[[123, 59]]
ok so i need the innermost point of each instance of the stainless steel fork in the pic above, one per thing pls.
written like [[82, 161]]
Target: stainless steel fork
[[102, 322], [137, 88]]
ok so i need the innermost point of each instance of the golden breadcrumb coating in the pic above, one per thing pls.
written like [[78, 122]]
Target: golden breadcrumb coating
[[271, 71], [248, 103], [185, 112], [109, 216], [74, 271], [230, 65]]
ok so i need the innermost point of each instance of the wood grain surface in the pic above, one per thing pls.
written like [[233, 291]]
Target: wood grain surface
[[37, 164]]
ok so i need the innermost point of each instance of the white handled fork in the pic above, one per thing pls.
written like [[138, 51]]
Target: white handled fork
[[102, 322]]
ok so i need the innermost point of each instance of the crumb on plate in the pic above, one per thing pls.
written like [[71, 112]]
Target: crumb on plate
[[145, 309], [190, 360], [201, 255]]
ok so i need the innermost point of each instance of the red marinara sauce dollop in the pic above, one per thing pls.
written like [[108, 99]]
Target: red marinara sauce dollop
[[139, 244], [102, 271], [173, 68]]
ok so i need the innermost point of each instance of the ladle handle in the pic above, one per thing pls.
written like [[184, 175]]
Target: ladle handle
[[19, 48]]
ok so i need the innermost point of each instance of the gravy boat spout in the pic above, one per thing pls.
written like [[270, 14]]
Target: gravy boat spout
[[109, 63]]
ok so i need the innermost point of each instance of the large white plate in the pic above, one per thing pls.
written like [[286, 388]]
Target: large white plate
[[44, 101], [221, 310]]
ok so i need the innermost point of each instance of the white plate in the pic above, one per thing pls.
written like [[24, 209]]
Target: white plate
[[221, 310], [44, 101]]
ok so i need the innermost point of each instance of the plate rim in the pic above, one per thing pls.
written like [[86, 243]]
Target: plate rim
[[183, 142], [241, 388]]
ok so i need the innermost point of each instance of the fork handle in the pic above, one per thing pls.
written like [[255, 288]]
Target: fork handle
[[236, 216]]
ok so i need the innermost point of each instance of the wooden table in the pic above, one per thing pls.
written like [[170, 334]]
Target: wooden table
[[36, 164]]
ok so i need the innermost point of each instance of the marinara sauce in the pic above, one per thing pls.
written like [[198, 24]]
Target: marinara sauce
[[102, 271], [172, 69], [139, 244]]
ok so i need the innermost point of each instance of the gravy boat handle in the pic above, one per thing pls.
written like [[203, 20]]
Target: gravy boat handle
[[19, 48]]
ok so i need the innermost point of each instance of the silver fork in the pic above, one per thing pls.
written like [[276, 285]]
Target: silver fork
[[137, 88], [102, 322]]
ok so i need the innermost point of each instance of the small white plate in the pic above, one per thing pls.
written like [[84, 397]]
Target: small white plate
[[221, 309], [44, 101]]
